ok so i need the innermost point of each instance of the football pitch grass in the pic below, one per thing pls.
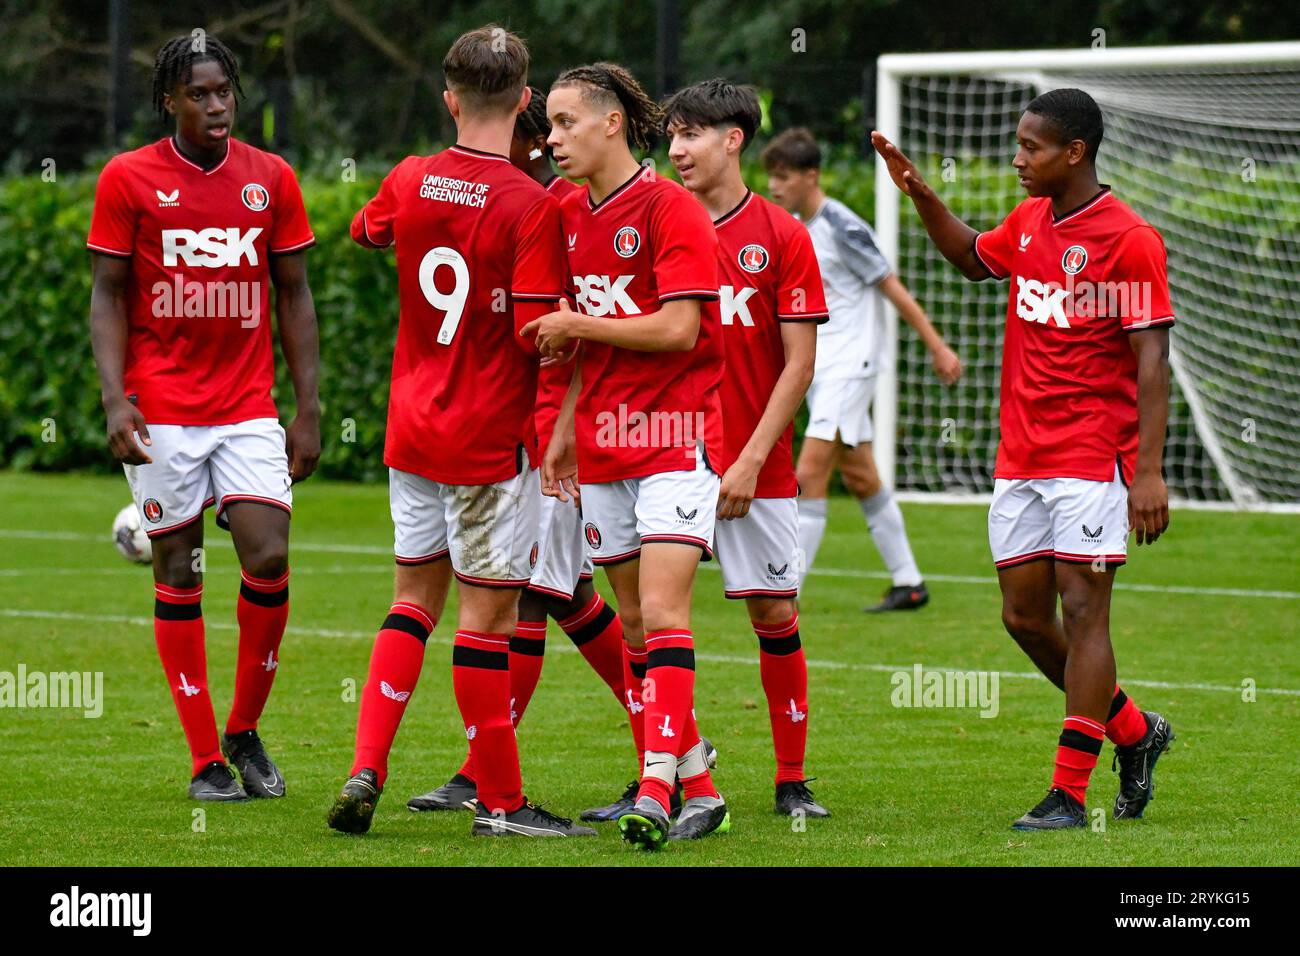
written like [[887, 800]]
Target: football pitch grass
[[1209, 610]]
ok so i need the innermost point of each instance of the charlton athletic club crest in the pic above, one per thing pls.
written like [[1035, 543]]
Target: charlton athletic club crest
[[1075, 258], [593, 535], [255, 197], [627, 241], [753, 258], [152, 510]]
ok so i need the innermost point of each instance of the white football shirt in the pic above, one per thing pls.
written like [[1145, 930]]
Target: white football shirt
[[851, 264]]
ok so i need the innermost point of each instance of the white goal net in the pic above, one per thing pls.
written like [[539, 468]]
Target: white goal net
[[1204, 142]]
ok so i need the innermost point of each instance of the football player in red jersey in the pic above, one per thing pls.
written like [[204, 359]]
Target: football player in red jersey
[[478, 255], [642, 419], [188, 234], [1085, 392], [771, 301], [560, 583]]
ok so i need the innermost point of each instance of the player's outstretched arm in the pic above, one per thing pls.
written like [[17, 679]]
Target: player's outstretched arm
[[295, 315], [108, 325], [946, 363], [1148, 499], [951, 236]]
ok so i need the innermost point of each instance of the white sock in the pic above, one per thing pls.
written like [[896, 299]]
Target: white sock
[[812, 525], [885, 521]]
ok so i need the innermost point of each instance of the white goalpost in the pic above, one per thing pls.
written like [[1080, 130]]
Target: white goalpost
[[1204, 142]]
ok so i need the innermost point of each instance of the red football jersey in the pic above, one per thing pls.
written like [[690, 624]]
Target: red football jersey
[[553, 381], [769, 275], [474, 235], [643, 413], [198, 348], [1069, 378]]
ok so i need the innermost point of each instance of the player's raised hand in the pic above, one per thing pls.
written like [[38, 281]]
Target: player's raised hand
[[553, 331], [125, 421], [302, 445], [901, 169], [946, 364], [1148, 508], [560, 467]]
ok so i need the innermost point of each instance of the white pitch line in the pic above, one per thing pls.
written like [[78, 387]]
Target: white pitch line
[[704, 656], [707, 566], [387, 567]]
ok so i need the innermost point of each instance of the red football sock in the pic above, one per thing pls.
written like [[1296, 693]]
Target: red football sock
[[480, 675], [395, 666], [1125, 726], [668, 695], [262, 611], [633, 675], [178, 632], [597, 633], [526, 649], [784, 673], [1076, 755]]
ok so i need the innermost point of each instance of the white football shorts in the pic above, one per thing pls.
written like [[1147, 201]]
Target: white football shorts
[[757, 552], [841, 408], [1067, 519], [562, 560], [489, 531], [620, 516], [195, 466]]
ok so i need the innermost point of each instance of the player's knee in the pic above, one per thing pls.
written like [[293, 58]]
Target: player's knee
[[657, 614], [534, 606], [770, 612], [633, 628], [177, 567], [1025, 626], [269, 559], [1079, 608]]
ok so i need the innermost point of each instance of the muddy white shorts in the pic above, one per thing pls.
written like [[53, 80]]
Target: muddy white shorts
[[196, 465], [489, 531], [562, 559], [620, 516], [841, 406], [1067, 519], [757, 552]]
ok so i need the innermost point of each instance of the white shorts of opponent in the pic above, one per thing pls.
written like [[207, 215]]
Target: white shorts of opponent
[[841, 407]]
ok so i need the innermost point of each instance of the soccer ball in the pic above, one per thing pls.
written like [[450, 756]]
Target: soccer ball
[[131, 541]]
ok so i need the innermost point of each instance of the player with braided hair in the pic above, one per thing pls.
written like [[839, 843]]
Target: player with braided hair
[[642, 419], [188, 396]]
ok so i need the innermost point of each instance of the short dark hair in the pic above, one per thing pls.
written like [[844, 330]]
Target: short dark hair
[[612, 85], [1073, 114], [487, 68], [794, 149], [715, 103], [176, 60]]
